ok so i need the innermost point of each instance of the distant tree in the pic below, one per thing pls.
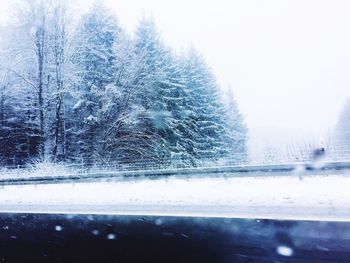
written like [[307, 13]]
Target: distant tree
[[236, 132], [342, 130], [271, 155]]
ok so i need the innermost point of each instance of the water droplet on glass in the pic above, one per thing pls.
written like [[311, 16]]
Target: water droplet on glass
[[284, 251], [58, 228], [184, 235], [158, 222], [95, 232], [111, 236], [322, 248]]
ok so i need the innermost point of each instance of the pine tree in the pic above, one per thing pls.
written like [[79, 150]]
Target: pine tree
[[95, 60], [151, 75], [236, 131], [172, 104], [205, 122]]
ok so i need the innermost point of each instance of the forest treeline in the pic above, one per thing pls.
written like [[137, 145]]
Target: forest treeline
[[84, 90]]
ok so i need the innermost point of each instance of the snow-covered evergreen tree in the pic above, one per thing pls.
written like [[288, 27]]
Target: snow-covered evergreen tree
[[151, 76], [236, 130], [95, 60], [123, 139], [172, 105], [206, 115]]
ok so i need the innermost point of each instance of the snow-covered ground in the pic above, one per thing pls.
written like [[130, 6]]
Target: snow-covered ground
[[320, 197], [38, 170]]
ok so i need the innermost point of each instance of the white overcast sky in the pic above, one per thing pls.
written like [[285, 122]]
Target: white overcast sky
[[288, 62]]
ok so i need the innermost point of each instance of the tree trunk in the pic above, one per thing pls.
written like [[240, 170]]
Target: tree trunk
[[40, 35]]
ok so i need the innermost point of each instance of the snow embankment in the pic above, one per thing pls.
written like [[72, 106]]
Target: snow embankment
[[320, 197], [37, 170]]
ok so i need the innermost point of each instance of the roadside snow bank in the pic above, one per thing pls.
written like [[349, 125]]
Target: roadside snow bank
[[317, 197]]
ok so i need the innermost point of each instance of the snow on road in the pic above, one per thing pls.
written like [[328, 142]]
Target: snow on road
[[323, 197]]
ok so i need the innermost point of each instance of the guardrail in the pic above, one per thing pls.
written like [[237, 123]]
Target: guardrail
[[224, 171]]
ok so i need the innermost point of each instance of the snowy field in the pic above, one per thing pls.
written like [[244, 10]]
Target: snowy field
[[320, 197]]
